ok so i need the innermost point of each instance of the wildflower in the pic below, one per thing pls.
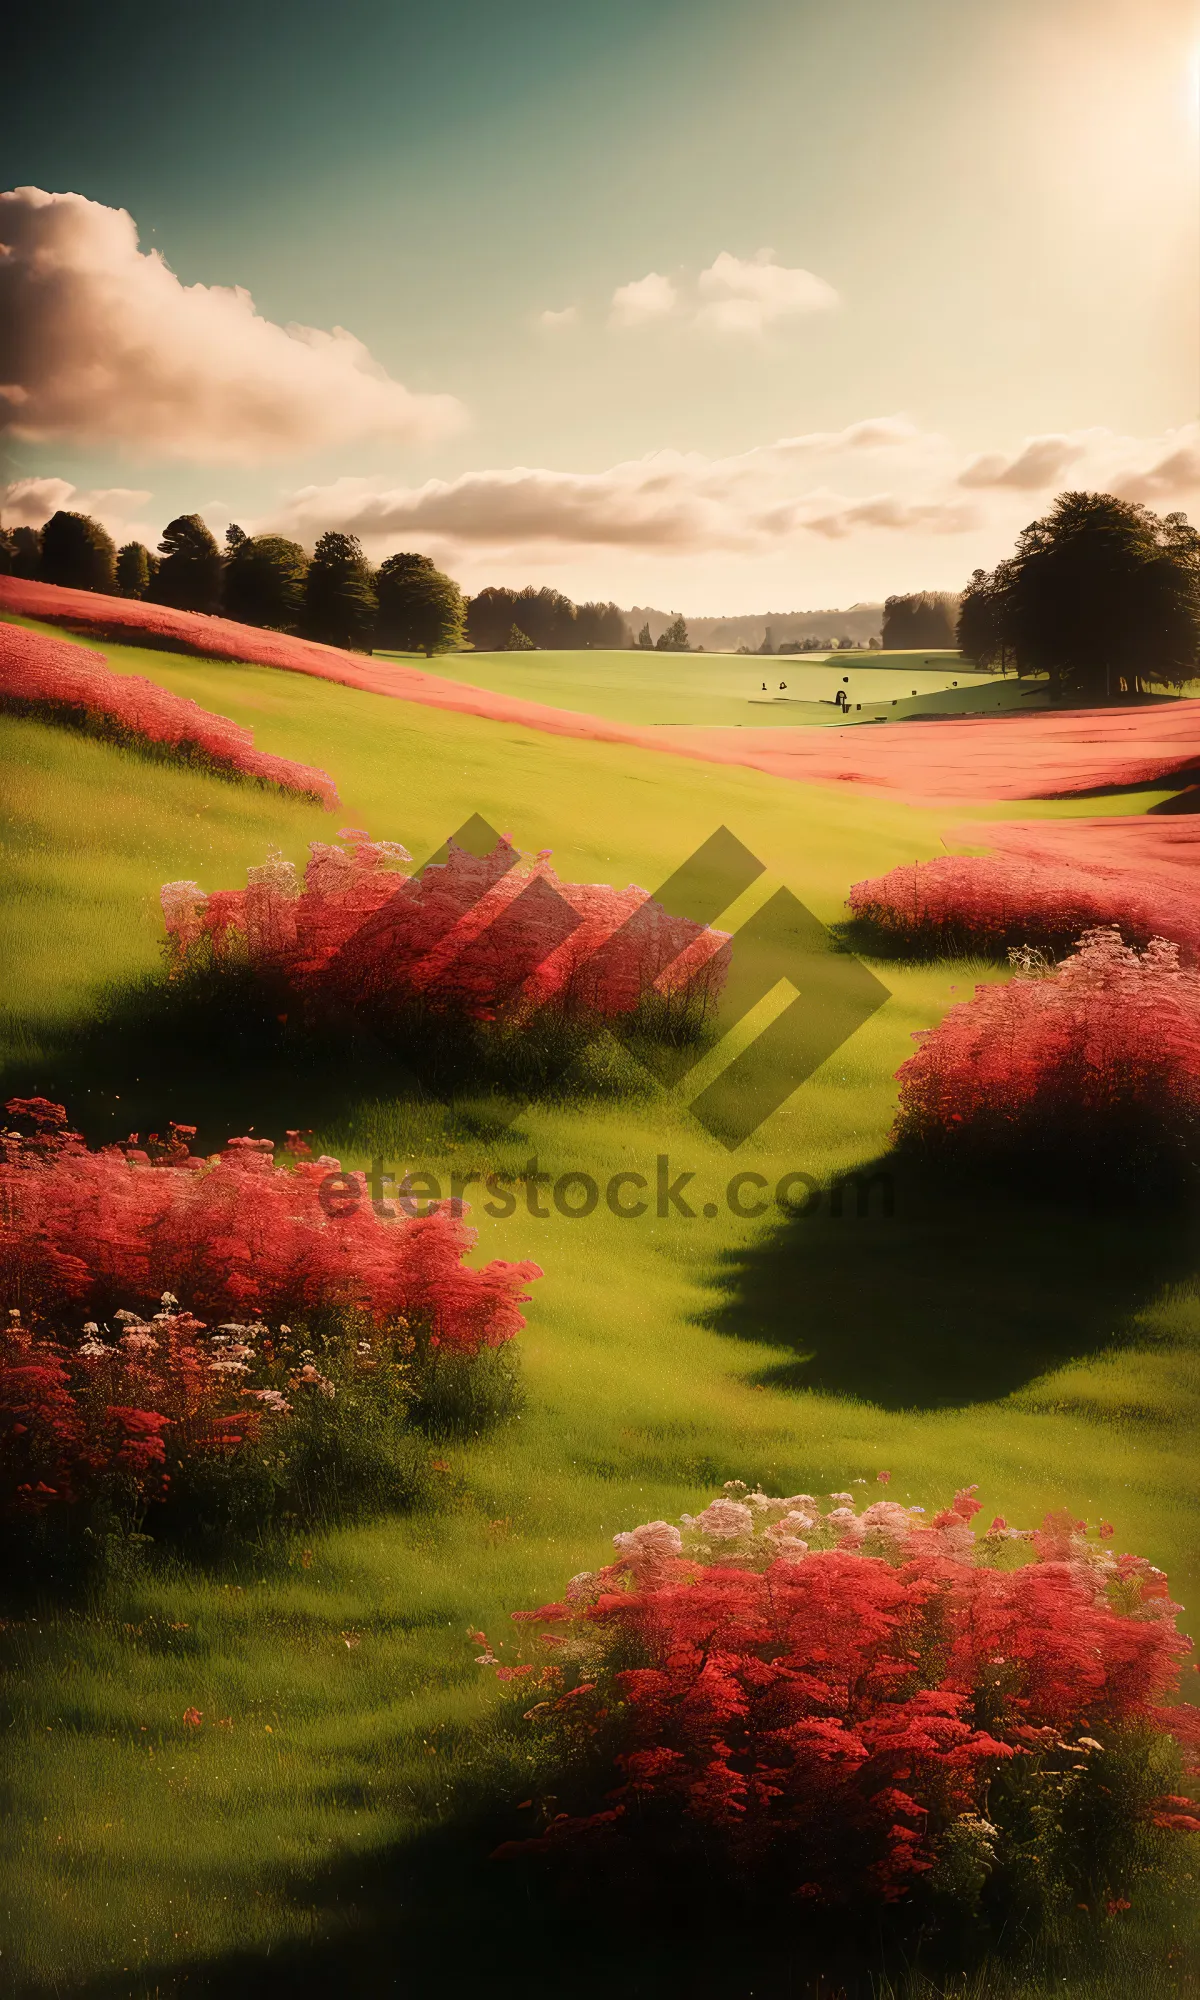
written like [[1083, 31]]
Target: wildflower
[[649, 1550], [884, 1478], [273, 1401], [193, 1717], [724, 1520]]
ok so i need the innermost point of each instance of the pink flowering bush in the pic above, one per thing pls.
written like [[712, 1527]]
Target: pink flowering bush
[[985, 902], [1094, 1061], [237, 1233], [49, 677], [485, 937], [482, 970], [833, 1707]]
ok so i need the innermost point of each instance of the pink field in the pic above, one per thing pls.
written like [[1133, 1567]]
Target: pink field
[[1029, 756], [49, 676]]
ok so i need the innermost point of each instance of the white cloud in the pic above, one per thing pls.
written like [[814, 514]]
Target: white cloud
[[748, 296], [877, 483], [29, 503], [559, 322], [1040, 462], [643, 301], [101, 343]]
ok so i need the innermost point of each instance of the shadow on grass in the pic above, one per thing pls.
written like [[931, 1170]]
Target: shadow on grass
[[958, 1296], [437, 1916], [232, 1051]]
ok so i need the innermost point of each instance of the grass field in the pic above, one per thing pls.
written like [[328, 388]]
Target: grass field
[[728, 689], [324, 1811]]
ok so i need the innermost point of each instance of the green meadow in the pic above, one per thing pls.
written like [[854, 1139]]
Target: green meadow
[[734, 690], [328, 1825]]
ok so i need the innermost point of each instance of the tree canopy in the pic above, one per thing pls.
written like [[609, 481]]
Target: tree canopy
[[926, 618], [1101, 595], [548, 619], [78, 553], [675, 638], [135, 566], [190, 571], [421, 609], [339, 594], [264, 581]]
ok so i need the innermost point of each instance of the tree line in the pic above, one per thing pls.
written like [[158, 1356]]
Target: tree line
[[335, 595]]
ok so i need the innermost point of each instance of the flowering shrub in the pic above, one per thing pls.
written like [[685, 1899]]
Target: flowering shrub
[[488, 938], [41, 676], [838, 1707], [1095, 1060], [234, 1234], [108, 1428], [1067, 883]]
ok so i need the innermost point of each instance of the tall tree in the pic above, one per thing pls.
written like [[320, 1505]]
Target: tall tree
[[927, 618], [235, 539], [1101, 595], [77, 553], [133, 570], [518, 641], [264, 582], [643, 638], [190, 570], [8, 552], [27, 552], [339, 594], [675, 638], [421, 609]]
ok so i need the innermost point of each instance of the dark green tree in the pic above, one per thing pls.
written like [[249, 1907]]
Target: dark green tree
[[27, 552], [979, 636], [8, 553], [1102, 596], [339, 594], [190, 570], [264, 582], [675, 638], [518, 641], [421, 609], [235, 539], [643, 638], [927, 618], [133, 570], [77, 553]]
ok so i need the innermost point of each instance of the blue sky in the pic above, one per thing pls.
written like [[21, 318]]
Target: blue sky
[[996, 203]]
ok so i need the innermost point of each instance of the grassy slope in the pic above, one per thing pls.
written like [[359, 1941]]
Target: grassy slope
[[1047, 1357]]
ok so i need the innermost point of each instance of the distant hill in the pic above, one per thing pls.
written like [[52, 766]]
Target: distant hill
[[860, 621]]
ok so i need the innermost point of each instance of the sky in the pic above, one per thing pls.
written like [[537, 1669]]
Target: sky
[[718, 308]]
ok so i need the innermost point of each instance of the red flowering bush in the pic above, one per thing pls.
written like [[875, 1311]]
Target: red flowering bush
[[335, 1327], [840, 1707], [233, 1234], [989, 901], [41, 676], [491, 939], [196, 1431], [1096, 1060]]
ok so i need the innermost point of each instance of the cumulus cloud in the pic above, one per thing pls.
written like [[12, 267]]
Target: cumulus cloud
[[29, 503], [669, 501], [1040, 462], [645, 300], [750, 295], [101, 343], [558, 322], [878, 480]]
